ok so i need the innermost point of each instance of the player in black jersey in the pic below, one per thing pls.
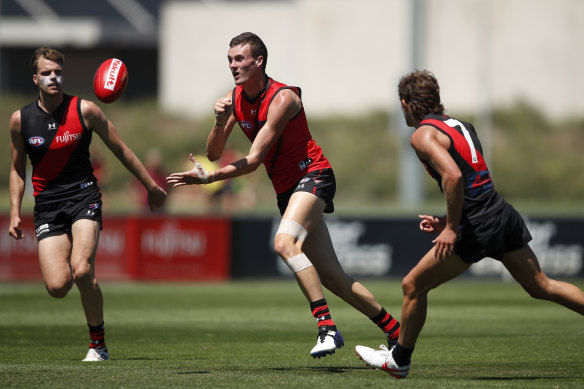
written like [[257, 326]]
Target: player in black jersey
[[55, 132], [478, 223]]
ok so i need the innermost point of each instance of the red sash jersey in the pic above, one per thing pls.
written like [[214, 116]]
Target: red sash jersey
[[58, 147], [480, 198], [295, 154]]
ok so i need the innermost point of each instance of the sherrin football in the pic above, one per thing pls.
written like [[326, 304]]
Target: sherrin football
[[110, 80]]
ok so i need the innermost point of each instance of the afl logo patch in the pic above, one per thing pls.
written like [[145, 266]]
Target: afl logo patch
[[36, 141]]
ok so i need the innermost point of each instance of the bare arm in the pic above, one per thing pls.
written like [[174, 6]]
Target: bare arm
[[224, 122], [96, 120], [17, 175], [431, 148], [284, 107]]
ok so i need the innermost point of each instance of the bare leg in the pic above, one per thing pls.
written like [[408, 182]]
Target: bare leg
[[309, 283], [524, 267], [305, 209], [85, 238], [303, 213], [425, 276], [54, 258], [319, 248]]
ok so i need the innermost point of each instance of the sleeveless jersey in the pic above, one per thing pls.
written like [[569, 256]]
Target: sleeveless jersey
[[295, 153], [480, 198], [58, 147]]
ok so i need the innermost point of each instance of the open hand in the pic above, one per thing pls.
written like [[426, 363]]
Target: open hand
[[444, 243], [197, 175]]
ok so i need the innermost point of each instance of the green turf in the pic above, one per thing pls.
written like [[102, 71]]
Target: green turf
[[259, 334]]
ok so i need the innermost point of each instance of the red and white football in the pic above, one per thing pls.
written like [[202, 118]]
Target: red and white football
[[110, 80]]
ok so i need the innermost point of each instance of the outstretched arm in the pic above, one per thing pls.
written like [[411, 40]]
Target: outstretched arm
[[17, 175], [284, 107], [96, 120]]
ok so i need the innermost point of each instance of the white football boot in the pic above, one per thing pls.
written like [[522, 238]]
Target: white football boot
[[327, 341], [97, 355], [382, 360]]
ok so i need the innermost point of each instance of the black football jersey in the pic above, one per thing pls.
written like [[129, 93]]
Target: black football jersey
[[58, 147], [480, 197]]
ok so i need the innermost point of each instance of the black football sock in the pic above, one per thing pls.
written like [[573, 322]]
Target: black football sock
[[96, 336], [402, 356]]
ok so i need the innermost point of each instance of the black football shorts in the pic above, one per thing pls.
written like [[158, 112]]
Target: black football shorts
[[56, 218], [321, 183], [492, 237]]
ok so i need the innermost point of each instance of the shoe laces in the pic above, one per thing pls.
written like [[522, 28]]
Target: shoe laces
[[322, 333], [384, 350]]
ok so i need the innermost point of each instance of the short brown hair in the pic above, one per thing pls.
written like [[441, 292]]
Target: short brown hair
[[48, 53], [421, 91], [256, 44]]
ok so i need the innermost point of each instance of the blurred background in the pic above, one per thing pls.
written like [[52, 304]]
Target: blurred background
[[511, 67]]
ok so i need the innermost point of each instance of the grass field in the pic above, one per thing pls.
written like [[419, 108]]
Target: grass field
[[259, 334]]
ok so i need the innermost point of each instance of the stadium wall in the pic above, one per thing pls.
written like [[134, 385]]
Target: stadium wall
[[348, 55], [158, 248]]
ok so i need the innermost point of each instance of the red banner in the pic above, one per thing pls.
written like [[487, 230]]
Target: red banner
[[116, 246], [184, 249], [19, 259], [135, 248]]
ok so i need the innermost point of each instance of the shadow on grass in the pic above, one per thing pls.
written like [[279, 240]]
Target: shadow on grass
[[520, 378], [327, 369]]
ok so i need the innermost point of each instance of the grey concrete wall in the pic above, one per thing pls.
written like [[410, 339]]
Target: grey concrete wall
[[347, 56]]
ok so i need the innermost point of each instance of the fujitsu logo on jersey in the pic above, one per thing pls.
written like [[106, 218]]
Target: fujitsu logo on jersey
[[112, 75], [67, 137], [36, 141]]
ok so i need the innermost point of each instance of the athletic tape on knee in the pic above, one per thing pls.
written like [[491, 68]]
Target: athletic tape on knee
[[290, 227], [298, 262]]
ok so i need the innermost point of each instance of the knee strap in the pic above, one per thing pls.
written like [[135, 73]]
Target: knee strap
[[298, 262], [290, 227]]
